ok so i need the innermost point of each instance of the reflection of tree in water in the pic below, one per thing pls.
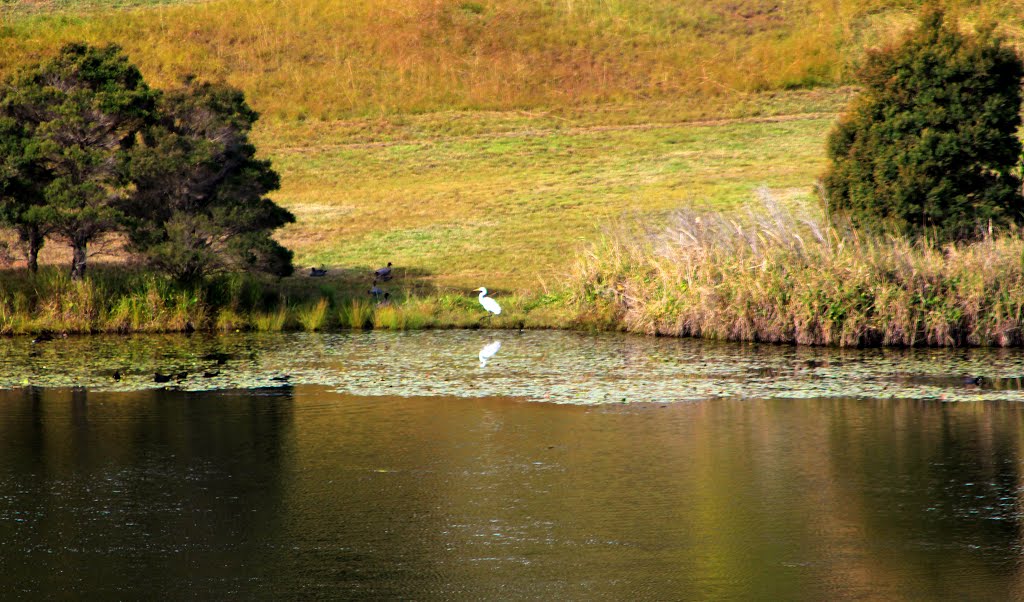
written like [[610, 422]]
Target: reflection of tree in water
[[926, 471], [103, 492]]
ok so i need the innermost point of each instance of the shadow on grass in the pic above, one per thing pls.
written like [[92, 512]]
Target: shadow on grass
[[356, 281]]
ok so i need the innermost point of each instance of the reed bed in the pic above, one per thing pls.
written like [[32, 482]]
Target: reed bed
[[783, 275]]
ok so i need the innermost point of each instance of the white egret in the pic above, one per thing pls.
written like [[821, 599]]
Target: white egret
[[489, 304], [488, 351]]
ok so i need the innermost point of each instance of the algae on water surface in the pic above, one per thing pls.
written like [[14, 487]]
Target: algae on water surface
[[556, 367]]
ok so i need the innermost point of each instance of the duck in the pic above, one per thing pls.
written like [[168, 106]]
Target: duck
[[317, 272], [383, 274]]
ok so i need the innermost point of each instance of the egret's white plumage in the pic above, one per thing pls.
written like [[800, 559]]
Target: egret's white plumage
[[489, 304], [488, 351]]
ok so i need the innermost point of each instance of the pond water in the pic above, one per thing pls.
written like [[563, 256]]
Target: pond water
[[421, 466]]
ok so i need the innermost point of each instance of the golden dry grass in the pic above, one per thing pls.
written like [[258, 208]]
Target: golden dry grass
[[330, 59]]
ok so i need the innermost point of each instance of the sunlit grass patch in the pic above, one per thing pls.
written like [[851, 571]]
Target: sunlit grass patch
[[458, 215]]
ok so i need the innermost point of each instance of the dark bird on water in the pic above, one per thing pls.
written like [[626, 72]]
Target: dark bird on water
[[211, 373], [116, 375], [220, 358], [281, 379], [161, 378], [317, 272], [383, 274]]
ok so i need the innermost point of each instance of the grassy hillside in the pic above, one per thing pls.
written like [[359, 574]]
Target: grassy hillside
[[481, 142], [327, 59]]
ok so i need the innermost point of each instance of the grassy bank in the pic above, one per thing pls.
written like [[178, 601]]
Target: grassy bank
[[779, 276], [113, 299]]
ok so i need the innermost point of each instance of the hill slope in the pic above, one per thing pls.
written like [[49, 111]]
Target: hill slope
[[342, 58]]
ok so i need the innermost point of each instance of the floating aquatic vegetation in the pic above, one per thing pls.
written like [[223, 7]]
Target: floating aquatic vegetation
[[556, 367]]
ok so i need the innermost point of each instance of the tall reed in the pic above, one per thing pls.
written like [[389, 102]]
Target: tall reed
[[781, 275]]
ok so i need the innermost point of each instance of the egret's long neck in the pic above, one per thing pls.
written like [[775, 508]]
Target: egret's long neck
[[483, 292]]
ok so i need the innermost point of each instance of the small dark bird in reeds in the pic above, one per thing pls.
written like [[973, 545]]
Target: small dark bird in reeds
[[383, 274]]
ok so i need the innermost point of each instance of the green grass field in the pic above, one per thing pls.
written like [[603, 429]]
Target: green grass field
[[460, 200]]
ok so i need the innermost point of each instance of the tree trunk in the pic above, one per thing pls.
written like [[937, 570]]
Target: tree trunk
[[33, 240], [33, 258], [78, 260]]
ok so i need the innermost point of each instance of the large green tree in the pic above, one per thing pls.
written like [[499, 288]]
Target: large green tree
[[82, 111], [200, 203], [930, 145], [23, 179]]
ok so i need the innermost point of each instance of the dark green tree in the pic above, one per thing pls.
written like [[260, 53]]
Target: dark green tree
[[200, 204], [82, 111], [23, 178], [930, 146]]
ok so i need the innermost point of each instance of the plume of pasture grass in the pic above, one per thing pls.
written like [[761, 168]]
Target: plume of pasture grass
[[229, 320], [272, 321], [313, 318], [356, 314]]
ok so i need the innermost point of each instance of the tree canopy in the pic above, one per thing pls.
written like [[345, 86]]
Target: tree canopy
[[200, 205], [930, 146], [87, 148]]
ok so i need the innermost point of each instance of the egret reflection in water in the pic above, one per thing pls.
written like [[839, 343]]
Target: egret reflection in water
[[488, 351]]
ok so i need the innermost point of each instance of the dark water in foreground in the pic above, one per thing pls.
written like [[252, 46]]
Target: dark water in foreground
[[302, 492]]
